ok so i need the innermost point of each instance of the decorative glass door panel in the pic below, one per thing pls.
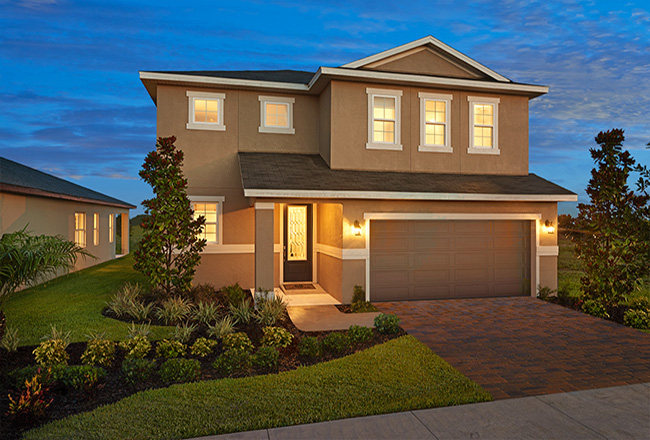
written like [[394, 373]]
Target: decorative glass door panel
[[297, 233]]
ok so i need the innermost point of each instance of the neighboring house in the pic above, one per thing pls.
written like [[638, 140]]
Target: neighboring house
[[47, 205], [405, 172]]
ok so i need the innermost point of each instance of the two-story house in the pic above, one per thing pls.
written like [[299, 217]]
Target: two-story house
[[405, 172]]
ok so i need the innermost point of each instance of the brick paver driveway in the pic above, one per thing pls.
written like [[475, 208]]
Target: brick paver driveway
[[516, 347]]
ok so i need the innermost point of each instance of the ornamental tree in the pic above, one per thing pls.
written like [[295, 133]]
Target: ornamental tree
[[170, 248], [615, 224]]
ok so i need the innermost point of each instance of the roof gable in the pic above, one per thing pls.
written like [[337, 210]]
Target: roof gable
[[427, 56]]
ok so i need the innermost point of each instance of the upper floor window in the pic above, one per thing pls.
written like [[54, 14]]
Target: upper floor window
[[384, 119], [80, 228], [483, 129], [206, 111], [95, 229], [276, 114], [435, 122], [111, 228], [211, 209]]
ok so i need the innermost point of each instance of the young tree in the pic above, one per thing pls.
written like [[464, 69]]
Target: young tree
[[615, 224], [170, 248]]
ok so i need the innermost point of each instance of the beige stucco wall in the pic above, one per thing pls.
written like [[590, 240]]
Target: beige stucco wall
[[325, 118], [350, 134], [423, 61], [47, 216]]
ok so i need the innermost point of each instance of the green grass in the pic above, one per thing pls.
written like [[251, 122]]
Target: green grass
[[399, 375], [74, 303]]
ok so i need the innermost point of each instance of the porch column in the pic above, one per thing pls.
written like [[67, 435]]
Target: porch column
[[125, 232], [264, 245]]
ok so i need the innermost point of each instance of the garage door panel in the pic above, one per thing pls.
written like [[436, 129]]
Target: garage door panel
[[446, 259]]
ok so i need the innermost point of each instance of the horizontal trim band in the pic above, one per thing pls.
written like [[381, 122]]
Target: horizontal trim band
[[448, 216], [548, 251], [236, 249]]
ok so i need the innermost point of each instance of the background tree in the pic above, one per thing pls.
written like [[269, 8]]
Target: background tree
[[615, 224], [169, 251]]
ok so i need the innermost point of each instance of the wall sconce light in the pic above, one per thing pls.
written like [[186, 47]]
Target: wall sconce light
[[356, 228], [548, 227]]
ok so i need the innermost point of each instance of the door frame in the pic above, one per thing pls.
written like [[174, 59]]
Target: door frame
[[314, 245]]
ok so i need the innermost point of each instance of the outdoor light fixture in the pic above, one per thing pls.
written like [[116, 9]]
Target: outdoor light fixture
[[356, 228], [548, 226]]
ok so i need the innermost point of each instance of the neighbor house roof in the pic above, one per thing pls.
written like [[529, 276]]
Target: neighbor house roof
[[21, 179], [308, 176]]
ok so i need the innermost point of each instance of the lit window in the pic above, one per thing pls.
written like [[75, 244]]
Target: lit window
[[209, 208], [276, 115], [435, 122], [206, 111], [384, 119], [95, 229], [111, 230], [483, 113], [80, 228]]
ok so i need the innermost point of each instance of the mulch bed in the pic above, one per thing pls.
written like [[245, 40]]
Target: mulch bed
[[114, 388]]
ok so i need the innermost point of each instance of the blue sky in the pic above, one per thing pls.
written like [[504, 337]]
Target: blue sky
[[71, 102]]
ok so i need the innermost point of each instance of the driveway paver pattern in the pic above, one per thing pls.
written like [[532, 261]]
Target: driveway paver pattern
[[516, 347]]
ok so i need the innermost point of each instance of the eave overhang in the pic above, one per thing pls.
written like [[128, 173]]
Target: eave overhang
[[22, 190]]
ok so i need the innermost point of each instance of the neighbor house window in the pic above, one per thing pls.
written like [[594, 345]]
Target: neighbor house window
[[80, 228], [211, 209], [435, 122], [384, 119], [111, 228], [483, 129], [276, 115], [206, 111], [95, 229]]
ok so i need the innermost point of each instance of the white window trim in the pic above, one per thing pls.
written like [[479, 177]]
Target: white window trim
[[215, 126], [83, 230], [495, 132], [276, 100], [111, 228], [96, 229], [384, 93], [424, 97], [219, 201]]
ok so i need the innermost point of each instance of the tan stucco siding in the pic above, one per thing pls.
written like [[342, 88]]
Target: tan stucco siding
[[226, 269], [548, 272], [46, 216], [329, 275], [329, 220], [423, 61], [349, 134], [325, 118]]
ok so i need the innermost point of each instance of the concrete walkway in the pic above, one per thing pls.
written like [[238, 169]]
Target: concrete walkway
[[327, 318], [609, 413]]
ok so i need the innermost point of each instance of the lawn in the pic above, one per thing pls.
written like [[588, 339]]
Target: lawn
[[399, 375], [74, 302]]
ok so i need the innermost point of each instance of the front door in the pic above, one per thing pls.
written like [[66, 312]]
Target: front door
[[297, 243]]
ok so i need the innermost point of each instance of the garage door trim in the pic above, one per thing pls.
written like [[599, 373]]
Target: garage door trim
[[369, 216]]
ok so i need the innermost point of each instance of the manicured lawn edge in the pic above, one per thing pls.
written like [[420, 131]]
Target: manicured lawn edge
[[399, 375]]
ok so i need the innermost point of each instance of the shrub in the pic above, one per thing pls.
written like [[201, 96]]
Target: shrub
[[594, 308], [51, 352], [173, 310], [32, 402], [10, 339], [122, 301], [19, 376], [139, 311], [139, 330], [57, 334], [203, 347], [637, 319], [336, 342], [242, 312], [206, 313], [221, 328], [359, 294], [237, 341], [544, 293], [639, 303], [269, 311], [387, 324], [183, 332], [234, 294], [137, 347], [276, 337], [359, 334], [233, 362], [170, 349], [79, 377], [309, 346], [362, 307], [99, 352], [137, 370], [266, 357], [180, 370], [203, 292]]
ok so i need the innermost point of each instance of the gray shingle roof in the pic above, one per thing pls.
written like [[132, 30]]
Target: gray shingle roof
[[300, 172], [16, 177], [286, 76]]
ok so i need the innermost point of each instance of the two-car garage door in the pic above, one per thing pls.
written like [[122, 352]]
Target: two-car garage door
[[425, 259]]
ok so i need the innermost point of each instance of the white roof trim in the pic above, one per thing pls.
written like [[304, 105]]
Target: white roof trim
[[179, 77], [421, 42], [327, 194]]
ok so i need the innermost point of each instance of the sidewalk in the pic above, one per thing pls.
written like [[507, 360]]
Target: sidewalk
[[607, 413]]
